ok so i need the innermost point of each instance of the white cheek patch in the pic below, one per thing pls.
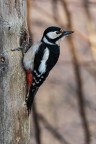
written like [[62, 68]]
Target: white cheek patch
[[53, 35]]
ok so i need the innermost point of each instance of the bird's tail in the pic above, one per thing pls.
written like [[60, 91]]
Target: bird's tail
[[29, 102]]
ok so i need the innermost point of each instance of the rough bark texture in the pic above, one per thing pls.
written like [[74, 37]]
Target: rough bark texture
[[14, 122]]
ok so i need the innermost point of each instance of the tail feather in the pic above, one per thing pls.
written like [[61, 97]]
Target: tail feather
[[30, 100]]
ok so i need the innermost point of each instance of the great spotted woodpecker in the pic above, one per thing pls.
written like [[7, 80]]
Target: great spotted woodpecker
[[40, 59]]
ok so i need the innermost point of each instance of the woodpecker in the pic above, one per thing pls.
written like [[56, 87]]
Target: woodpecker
[[40, 59]]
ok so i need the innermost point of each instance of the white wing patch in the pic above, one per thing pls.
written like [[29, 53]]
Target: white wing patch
[[42, 67]]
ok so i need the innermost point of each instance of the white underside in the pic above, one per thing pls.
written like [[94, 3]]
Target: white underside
[[28, 60], [29, 56]]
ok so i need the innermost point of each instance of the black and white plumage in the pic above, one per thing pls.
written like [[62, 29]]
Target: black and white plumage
[[41, 58]]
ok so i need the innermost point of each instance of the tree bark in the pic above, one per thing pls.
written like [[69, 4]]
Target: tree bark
[[14, 122]]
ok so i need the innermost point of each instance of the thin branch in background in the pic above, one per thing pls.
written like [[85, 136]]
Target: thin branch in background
[[91, 29], [52, 130], [55, 9], [43, 12], [78, 78], [86, 6], [77, 74], [36, 124], [80, 34], [91, 32]]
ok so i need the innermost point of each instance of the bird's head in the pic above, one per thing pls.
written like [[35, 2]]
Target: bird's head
[[53, 34]]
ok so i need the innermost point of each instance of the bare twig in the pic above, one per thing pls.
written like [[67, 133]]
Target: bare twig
[[78, 78]]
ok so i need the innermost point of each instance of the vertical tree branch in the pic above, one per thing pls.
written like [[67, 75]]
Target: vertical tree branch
[[91, 29], [78, 79], [55, 9], [14, 122]]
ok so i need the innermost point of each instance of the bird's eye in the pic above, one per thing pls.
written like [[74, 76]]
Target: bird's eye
[[57, 32]]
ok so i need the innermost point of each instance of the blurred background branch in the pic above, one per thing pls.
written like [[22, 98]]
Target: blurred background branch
[[65, 108]]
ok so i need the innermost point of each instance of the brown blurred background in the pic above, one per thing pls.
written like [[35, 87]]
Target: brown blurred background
[[64, 110]]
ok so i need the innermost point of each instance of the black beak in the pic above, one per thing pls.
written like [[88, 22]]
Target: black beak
[[66, 33]]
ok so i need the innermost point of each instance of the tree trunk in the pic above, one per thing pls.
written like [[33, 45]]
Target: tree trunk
[[14, 122]]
